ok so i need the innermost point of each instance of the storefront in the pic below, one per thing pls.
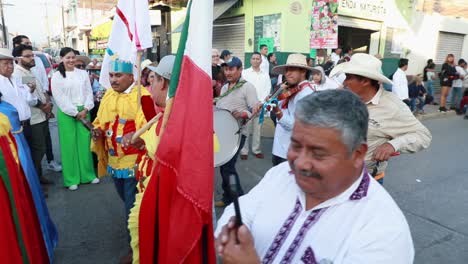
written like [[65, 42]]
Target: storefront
[[99, 37], [360, 25]]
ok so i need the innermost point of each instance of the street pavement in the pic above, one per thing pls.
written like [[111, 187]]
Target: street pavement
[[430, 188]]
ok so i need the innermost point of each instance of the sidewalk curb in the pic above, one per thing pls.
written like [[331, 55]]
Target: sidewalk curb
[[436, 115]]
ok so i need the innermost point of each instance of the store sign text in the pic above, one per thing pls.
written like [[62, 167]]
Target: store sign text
[[370, 9]]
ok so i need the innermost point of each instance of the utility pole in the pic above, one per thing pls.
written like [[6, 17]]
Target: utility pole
[[5, 38], [63, 25], [47, 23]]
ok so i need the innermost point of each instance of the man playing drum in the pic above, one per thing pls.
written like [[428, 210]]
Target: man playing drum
[[240, 98]]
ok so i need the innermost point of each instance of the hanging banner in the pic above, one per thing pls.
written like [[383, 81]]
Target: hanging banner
[[324, 26]]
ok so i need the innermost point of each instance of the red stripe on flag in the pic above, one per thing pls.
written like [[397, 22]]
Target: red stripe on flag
[[125, 21], [181, 186]]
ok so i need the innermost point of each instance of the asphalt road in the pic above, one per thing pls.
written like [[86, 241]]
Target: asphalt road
[[430, 187]]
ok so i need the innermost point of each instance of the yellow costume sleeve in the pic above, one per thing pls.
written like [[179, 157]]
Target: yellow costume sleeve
[[151, 140]]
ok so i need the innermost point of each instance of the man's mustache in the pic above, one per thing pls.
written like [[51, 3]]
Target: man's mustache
[[114, 83], [306, 173]]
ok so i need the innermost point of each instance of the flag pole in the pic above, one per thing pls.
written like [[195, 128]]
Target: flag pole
[[138, 79]]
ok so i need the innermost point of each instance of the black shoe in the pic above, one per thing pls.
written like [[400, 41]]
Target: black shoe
[[442, 109], [465, 117]]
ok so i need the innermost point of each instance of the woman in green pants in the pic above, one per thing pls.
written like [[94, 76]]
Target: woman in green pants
[[72, 92]]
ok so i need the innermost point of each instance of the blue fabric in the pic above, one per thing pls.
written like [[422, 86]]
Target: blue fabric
[[430, 87], [49, 232], [121, 173], [126, 188]]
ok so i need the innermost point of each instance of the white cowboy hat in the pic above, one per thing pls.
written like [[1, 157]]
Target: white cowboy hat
[[294, 60], [145, 64], [363, 65], [5, 54]]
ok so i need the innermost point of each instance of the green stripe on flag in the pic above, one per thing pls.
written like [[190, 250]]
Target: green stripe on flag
[[7, 183], [180, 54]]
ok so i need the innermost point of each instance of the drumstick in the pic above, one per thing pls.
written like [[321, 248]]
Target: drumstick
[[147, 126]]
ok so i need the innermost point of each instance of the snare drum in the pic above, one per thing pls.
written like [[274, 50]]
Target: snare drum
[[227, 131]]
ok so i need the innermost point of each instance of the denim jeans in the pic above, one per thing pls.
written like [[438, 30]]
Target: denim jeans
[[414, 101], [429, 85], [229, 169], [126, 188], [455, 98]]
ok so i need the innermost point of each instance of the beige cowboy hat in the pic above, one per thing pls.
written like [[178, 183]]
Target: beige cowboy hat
[[145, 64], [5, 54], [294, 60], [363, 65], [83, 58]]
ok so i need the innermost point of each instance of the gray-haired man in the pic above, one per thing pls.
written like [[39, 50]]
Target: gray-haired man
[[321, 206]]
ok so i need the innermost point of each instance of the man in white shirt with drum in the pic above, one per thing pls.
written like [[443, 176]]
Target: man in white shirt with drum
[[240, 98], [262, 83]]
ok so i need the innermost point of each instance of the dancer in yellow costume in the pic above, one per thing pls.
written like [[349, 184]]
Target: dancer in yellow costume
[[117, 116]]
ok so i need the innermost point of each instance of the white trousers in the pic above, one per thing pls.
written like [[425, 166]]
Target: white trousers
[[256, 137]]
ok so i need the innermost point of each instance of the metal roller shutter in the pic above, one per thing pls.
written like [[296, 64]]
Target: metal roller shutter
[[447, 43], [229, 33]]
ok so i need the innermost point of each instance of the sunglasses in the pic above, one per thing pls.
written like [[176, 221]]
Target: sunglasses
[[80, 66]]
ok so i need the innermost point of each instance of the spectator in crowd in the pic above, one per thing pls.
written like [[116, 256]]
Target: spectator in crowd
[[464, 104], [94, 64], [457, 86], [336, 55], [348, 52], [217, 77], [81, 61], [39, 112], [310, 61], [265, 66], [429, 76], [262, 83], [40, 73], [144, 73], [400, 82], [417, 95], [225, 56], [447, 75], [321, 82], [273, 76], [73, 94]]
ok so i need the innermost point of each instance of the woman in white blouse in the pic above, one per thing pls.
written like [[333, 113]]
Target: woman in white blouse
[[73, 94]]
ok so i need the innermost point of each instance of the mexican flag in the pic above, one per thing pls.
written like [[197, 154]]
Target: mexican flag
[[176, 224]]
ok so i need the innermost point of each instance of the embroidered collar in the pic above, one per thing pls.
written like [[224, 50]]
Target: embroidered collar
[[358, 190]]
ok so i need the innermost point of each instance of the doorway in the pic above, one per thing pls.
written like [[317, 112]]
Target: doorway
[[361, 40]]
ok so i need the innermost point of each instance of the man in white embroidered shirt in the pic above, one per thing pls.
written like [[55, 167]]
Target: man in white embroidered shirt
[[321, 206]]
